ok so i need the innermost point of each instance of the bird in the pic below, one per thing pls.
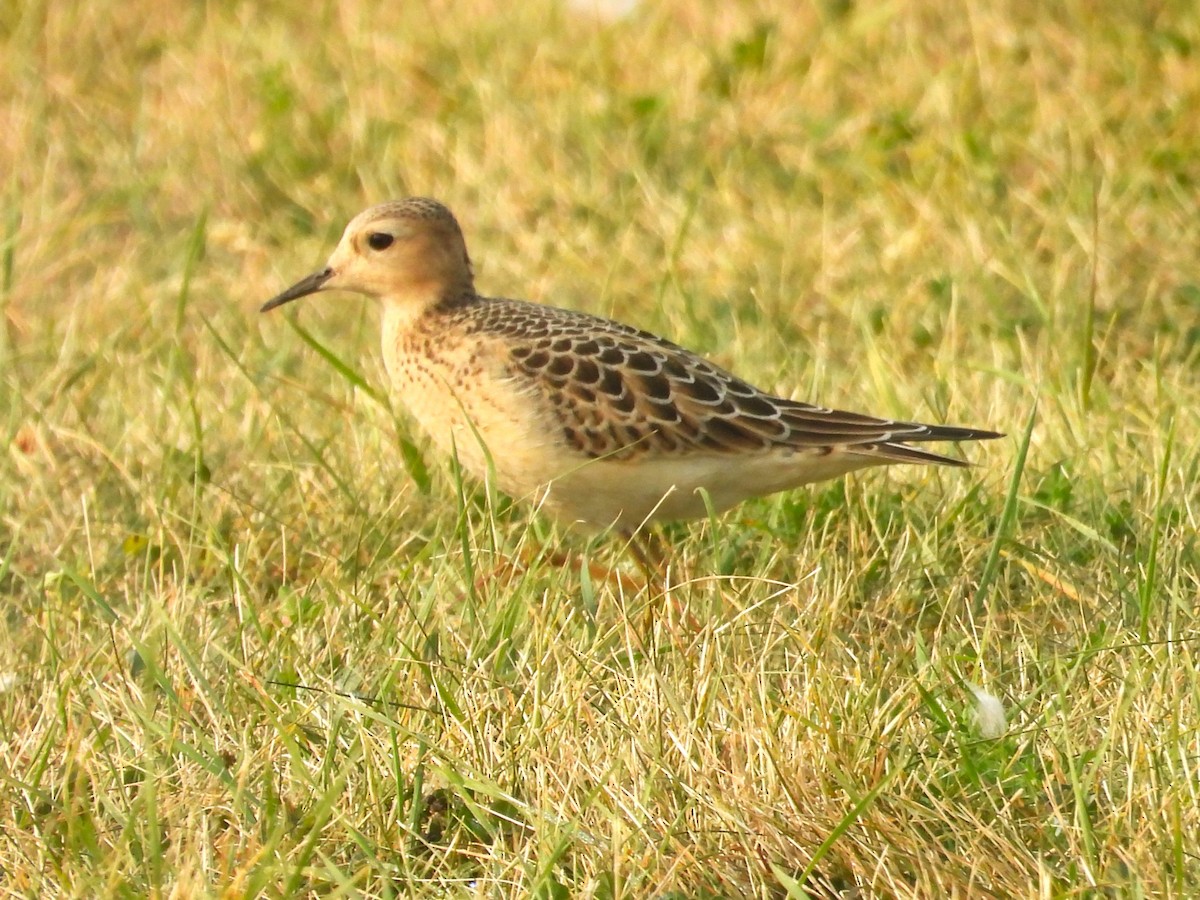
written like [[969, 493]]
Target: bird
[[599, 424]]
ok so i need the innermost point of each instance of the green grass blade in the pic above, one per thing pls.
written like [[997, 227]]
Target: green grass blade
[[1008, 518]]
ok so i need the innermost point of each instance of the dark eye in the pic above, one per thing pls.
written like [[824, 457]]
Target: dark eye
[[379, 240]]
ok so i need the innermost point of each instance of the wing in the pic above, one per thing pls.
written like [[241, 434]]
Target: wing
[[623, 393]]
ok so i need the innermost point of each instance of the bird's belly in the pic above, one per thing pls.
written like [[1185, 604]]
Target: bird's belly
[[629, 493]]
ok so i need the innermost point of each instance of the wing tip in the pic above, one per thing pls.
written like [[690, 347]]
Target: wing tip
[[954, 433]]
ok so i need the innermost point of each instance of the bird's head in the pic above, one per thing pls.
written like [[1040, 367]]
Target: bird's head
[[406, 252]]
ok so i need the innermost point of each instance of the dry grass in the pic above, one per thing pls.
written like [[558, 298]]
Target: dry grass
[[965, 213]]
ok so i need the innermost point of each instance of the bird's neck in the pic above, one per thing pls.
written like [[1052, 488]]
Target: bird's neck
[[420, 309]]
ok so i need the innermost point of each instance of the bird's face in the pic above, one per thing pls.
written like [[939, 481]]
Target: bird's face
[[410, 252]]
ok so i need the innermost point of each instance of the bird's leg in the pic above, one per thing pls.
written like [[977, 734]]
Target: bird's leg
[[648, 552], [527, 559], [648, 549]]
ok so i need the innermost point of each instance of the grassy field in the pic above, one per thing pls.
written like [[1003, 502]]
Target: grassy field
[[259, 640]]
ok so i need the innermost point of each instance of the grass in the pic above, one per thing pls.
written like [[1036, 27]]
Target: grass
[[246, 654]]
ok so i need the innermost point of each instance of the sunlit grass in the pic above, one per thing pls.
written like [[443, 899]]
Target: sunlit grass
[[262, 641]]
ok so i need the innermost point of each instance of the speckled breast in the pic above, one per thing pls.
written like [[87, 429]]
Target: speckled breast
[[466, 395]]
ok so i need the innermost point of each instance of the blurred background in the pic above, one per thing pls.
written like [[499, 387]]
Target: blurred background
[[979, 213]]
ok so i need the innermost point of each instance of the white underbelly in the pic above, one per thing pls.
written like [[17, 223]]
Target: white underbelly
[[604, 493]]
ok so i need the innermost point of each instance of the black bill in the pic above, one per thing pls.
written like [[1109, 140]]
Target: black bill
[[302, 288]]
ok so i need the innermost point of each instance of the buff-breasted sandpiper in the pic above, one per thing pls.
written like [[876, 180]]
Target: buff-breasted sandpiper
[[598, 423]]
